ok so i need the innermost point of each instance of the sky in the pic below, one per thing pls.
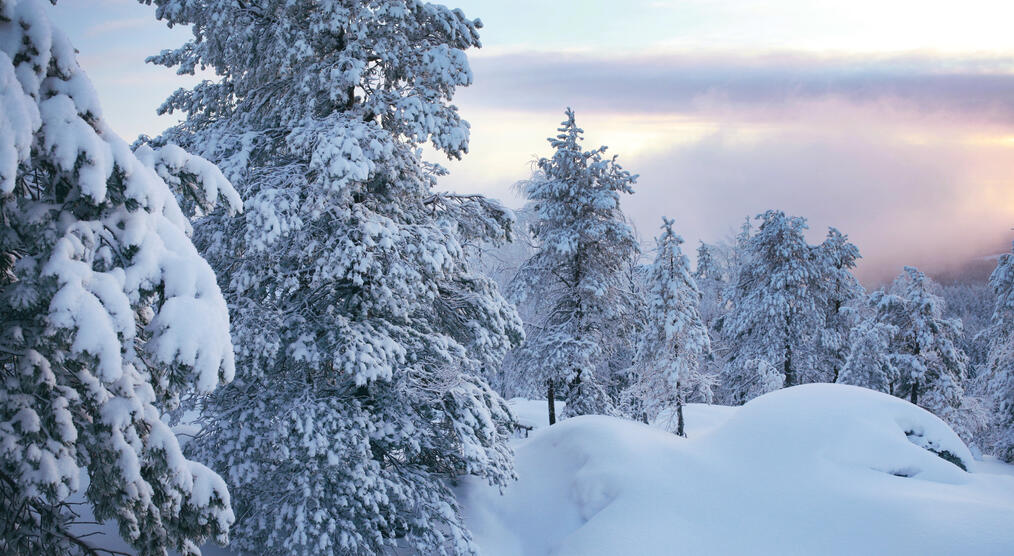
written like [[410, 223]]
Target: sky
[[890, 120]]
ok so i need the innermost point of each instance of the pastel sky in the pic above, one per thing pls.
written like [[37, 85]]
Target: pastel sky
[[892, 120]]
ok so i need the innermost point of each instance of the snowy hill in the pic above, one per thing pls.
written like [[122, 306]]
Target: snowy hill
[[815, 469]]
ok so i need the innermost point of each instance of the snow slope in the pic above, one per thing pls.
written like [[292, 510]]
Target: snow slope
[[813, 469]]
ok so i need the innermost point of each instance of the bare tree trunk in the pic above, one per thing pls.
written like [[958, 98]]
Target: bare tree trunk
[[790, 376], [679, 412], [914, 394], [551, 399]]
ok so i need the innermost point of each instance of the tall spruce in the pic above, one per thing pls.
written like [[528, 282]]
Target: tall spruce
[[776, 318], [580, 271], [930, 365], [837, 290], [108, 314], [711, 281], [674, 340], [871, 362], [999, 373], [362, 333]]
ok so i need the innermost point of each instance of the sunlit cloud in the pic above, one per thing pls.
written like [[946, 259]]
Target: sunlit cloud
[[693, 82], [911, 155]]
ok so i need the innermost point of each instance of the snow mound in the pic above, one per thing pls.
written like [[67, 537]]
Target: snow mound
[[815, 469]]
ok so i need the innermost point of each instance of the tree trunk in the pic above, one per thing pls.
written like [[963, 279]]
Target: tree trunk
[[914, 394], [551, 399], [679, 412], [790, 376]]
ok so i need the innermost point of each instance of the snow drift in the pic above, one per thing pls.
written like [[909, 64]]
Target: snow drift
[[815, 469]]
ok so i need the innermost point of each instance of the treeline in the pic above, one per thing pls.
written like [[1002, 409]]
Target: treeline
[[768, 310]]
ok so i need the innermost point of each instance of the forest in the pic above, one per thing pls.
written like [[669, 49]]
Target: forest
[[269, 327]]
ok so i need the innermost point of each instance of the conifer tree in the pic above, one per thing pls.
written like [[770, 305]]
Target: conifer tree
[[669, 351], [108, 314], [930, 365], [711, 281], [362, 333], [776, 317], [999, 374], [871, 362], [837, 290], [580, 271]]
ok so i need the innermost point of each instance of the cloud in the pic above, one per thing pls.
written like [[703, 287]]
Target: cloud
[[935, 206], [910, 155], [981, 86]]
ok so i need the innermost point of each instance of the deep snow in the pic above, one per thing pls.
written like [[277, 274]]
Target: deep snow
[[805, 470], [812, 469]]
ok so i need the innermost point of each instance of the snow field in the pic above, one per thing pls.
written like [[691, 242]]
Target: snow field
[[815, 469]]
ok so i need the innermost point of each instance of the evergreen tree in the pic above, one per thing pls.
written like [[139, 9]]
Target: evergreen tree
[[739, 257], [972, 302], [711, 282], [999, 374], [870, 362], [837, 290], [668, 357], [776, 317], [108, 314], [361, 330], [579, 271], [930, 366]]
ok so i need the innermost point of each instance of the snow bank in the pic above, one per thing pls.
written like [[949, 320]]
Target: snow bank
[[815, 469]]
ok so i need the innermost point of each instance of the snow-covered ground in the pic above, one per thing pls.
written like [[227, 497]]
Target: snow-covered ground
[[816, 469]]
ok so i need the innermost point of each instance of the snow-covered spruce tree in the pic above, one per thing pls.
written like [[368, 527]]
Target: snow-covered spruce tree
[[837, 290], [738, 258], [667, 367], [361, 332], [776, 317], [580, 271], [930, 366], [973, 303], [108, 314], [870, 362], [998, 377], [711, 281]]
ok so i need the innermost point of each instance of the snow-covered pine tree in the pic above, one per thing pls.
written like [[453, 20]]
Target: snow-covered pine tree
[[999, 374], [930, 366], [361, 331], [775, 321], [710, 280], [674, 340], [837, 290], [870, 362], [973, 303], [738, 257], [580, 271], [108, 314]]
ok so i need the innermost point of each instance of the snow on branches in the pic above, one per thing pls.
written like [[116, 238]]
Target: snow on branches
[[109, 314], [363, 333]]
